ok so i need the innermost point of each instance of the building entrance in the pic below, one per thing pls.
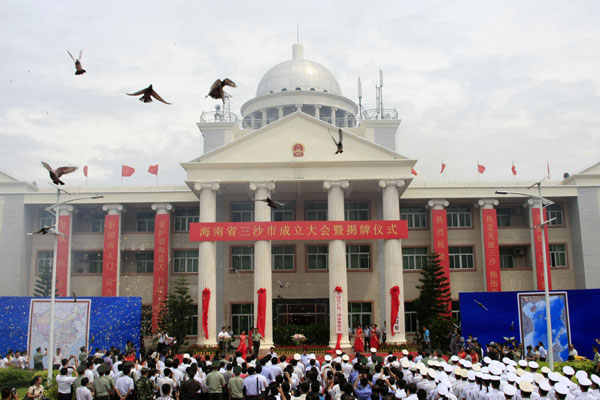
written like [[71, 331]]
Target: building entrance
[[301, 312]]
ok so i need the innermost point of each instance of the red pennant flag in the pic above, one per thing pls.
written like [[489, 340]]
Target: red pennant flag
[[153, 169], [412, 171], [127, 170], [548, 168], [514, 169], [480, 168], [443, 168], [85, 171]]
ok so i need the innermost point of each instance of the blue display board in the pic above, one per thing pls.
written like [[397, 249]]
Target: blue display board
[[492, 316], [112, 321]]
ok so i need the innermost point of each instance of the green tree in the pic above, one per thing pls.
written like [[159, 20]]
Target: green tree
[[176, 315], [43, 285]]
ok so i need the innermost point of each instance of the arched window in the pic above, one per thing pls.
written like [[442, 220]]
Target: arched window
[[298, 88]]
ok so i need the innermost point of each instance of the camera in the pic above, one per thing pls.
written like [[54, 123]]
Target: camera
[[13, 391]]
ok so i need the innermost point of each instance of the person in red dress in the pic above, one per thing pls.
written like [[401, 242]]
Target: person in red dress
[[243, 346], [359, 344], [374, 337]]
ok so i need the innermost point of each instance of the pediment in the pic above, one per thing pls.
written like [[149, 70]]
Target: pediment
[[297, 138], [6, 178], [593, 170]]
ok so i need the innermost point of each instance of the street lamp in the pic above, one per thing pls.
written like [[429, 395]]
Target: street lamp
[[545, 267], [53, 210]]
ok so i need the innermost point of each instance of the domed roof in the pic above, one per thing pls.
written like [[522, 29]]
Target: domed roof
[[298, 74]]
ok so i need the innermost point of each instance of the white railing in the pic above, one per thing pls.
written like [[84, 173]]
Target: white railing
[[218, 116], [386, 113]]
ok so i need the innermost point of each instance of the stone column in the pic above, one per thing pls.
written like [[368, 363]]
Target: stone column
[[333, 110], [346, 122], [337, 262], [111, 253], [317, 112], [207, 265], [393, 261], [262, 260], [252, 121], [162, 251], [63, 250], [264, 116], [280, 111], [489, 243]]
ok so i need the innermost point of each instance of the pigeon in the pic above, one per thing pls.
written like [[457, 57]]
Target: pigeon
[[340, 146], [271, 203], [481, 305], [147, 95], [237, 273], [44, 231], [216, 90], [74, 298], [78, 68], [56, 174], [283, 285]]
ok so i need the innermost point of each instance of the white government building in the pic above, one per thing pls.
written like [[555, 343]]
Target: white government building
[[281, 148]]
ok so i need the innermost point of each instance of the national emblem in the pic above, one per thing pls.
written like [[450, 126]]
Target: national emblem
[[298, 150]]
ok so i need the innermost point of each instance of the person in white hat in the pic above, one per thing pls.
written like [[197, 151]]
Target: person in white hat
[[561, 391], [584, 385], [338, 356], [346, 366], [525, 389]]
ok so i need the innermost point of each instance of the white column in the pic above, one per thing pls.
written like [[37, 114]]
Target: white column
[[333, 110], [317, 112], [393, 261], [207, 264], [264, 116], [346, 120], [280, 111], [252, 121], [262, 260], [337, 262]]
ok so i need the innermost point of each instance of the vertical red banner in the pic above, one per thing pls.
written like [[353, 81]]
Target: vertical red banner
[[491, 249], [62, 255], [537, 244], [160, 288], [110, 255], [439, 229], [262, 307]]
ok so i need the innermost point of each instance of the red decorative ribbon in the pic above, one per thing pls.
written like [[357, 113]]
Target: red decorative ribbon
[[262, 306], [395, 292], [338, 344], [338, 289], [205, 304]]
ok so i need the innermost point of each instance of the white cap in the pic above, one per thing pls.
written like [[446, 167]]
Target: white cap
[[448, 368], [485, 370], [509, 390], [545, 386], [345, 357], [511, 377], [471, 375], [467, 364], [476, 367], [297, 357], [443, 389], [327, 357], [338, 352], [487, 360], [405, 352], [567, 370], [525, 386], [561, 388], [312, 356], [454, 358], [494, 378], [494, 370], [581, 373], [405, 363], [396, 364], [522, 363], [533, 365], [431, 372], [373, 350], [510, 368], [186, 355], [538, 378], [596, 379], [545, 370], [553, 376], [584, 381]]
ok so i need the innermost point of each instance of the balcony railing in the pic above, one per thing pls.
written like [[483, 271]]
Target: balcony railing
[[339, 122], [386, 113], [218, 116]]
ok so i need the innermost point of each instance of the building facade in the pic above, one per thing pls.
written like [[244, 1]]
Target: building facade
[[135, 240]]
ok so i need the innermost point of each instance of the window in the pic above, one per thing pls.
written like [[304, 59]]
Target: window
[[47, 219], [287, 212], [414, 258], [44, 260], [503, 216], [507, 259], [558, 255], [282, 258], [416, 216], [456, 312], [144, 262], [242, 211], [97, 223], [459, 216], [147, 320], [411, 324], [242, 316], [185, 261], [358, 256], [316, 257], [356, 210], [315, 211], [193, 328], [359, 314], [182, 219], [300, 312], [242, 258], [555, 211], [145, 222], [461, 257], [87, 262]]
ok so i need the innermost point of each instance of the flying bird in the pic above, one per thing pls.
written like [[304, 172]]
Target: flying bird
[[283, 285], [340, 145], [480, 305], [78, 68], [216, 90], [58, 172], [147, 95], [44, 231], [271, 203]]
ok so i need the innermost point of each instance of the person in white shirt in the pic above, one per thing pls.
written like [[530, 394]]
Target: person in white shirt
[[82, 392], [411, 391], [124, 385], [57, 359], [89, 372], [64, 382]]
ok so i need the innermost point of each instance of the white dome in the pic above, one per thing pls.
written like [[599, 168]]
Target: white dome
[[298, 73]]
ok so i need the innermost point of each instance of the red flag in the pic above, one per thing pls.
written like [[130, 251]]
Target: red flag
[[412, 171], [127, 170], [85, 171], [514, 169], [548, 168], [480, 168], [153, 169], [443, 168]]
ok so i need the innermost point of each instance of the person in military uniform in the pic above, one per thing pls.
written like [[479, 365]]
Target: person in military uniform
[[104, 384], [144, 387]]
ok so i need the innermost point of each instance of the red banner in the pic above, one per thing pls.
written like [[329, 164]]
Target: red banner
[[339, 329], [110, 255], [539, 257], [491, 250], [161, 266], [395, 293], [297, 230], [262, 309], [439, 229], [62, 255], [205, 305]]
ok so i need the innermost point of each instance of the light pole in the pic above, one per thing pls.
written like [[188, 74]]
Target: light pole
[[56, 213], [543, 225]]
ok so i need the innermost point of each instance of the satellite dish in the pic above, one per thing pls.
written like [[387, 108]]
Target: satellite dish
[[566, 175]]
